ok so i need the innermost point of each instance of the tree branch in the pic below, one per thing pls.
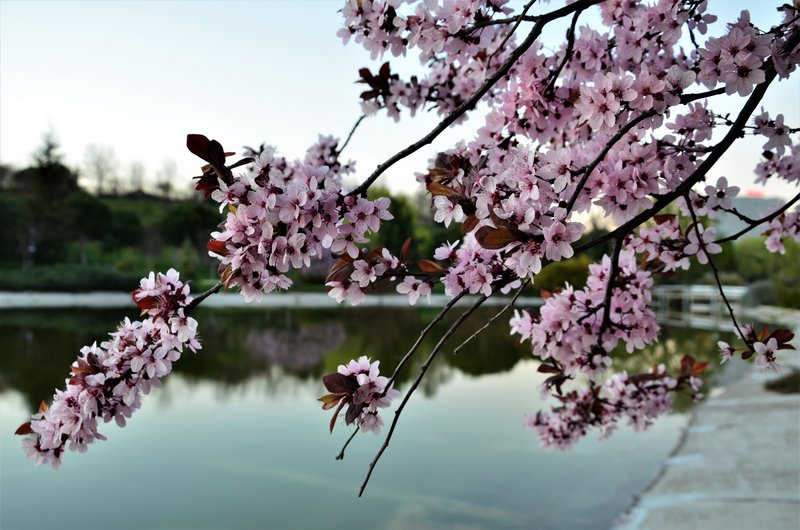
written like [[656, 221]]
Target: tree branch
[[422, 336], [199, 300], [755, 222], [701, 171], [470, 103], [353, 130], [340, 456], [415, 384], [495, 317], [713, 266]]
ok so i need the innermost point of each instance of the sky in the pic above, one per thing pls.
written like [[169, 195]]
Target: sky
[[138, 76]]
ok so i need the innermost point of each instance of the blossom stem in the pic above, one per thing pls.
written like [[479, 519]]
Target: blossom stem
[[424, 368]]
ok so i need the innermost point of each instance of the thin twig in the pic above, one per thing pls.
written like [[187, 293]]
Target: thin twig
[[757, 222], [340, 456], [422, 336], [702, 244], [415, 384], [495, 317], [587, 171], [550, 88], [470, 103], [510, 33], [612, 274], [353, 130], [198, 300]]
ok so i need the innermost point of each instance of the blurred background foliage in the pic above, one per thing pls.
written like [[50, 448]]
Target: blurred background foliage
[[100, 227]]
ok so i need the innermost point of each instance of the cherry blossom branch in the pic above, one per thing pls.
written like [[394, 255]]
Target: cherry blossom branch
[[550, 88], [612, 275], [470, 103], [422, 336], [587, 171], [702, 243], [424, 368], [340, 456], [755, 222], [352, 131], [510, 33], [495, 317], [199, 299], [700, 173]]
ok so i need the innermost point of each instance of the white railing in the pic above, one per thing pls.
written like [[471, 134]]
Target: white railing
[[698, 306]]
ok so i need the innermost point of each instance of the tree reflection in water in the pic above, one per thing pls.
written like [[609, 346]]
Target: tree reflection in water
[[291, 347]]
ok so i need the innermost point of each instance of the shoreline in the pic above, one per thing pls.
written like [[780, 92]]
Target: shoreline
[[737, 463], [122, 300]]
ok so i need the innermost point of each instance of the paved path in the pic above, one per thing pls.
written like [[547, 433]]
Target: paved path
[[738, 464]]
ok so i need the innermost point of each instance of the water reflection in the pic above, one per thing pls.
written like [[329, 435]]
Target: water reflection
[[300, 345], [235, 439]]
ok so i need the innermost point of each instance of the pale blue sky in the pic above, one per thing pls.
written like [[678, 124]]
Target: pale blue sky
[[140, 75]]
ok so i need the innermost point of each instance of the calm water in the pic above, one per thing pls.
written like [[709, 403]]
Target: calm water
[[235, 438]]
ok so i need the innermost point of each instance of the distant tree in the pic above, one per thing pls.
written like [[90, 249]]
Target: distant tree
[[165, 178], [100, 166], [136, 175]]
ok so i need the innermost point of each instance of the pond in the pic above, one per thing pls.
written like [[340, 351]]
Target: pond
[[236, 438]]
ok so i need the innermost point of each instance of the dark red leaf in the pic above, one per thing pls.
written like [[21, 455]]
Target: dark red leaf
[[336, 414], [199, 146], [686, 364], [664, 218], [148, 302], [494, 238], [469, 224], [548, 369], [25, 428], [429, 266], [437, 190], [404, 252], [340, 384], [353, 412], [217, 247], [782, 336]]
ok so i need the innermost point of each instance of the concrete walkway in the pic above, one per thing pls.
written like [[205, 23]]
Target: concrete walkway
[[738, 464]]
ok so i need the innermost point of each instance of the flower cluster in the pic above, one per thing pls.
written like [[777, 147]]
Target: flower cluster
[[673, 247], [284, 214], [764, 345], [359, 385], [639, 398], [578, 329], [108, 381]]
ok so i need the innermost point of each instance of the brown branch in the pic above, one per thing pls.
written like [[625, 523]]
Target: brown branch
[[340, 456], [700, 173], [493, 318], [353, 130], [198, 300], [713, 266], [587, 171], [612, 274], [551, 85], [415, 384], [510, 33], [473, 100], [422, 336], [755, 222]]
